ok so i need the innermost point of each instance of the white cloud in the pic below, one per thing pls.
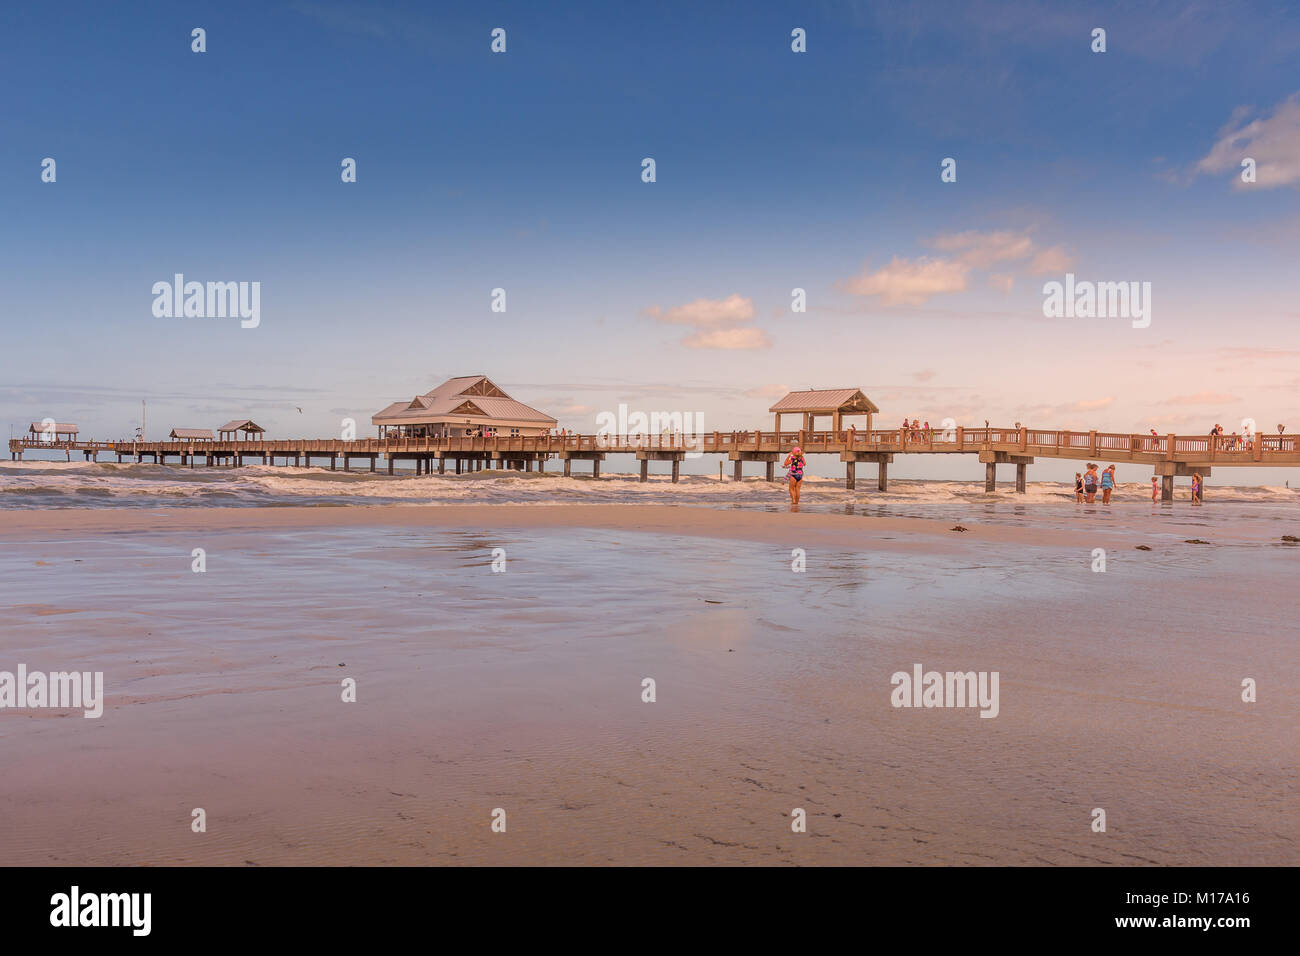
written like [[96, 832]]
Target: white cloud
[[1003, 283], [1273, 142]]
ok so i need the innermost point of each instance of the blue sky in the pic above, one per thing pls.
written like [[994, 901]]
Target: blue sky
[[775, 170]]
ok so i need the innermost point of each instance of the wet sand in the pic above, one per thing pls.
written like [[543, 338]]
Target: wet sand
[[522, 690], [775, 525]]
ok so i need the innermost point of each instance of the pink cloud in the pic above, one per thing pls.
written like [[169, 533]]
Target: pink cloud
[[728, 339], [707, 313], [981, 250], [1053, 259], [910, 282]]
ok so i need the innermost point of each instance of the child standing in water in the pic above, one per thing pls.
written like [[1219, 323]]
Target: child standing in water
[[795, 462], [1155, 488], [1196, 488], [1078, 488]]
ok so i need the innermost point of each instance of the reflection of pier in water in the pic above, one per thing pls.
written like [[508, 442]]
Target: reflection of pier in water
[[1168, 455]]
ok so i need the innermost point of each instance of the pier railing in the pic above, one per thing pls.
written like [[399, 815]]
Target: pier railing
[[1194, 449]]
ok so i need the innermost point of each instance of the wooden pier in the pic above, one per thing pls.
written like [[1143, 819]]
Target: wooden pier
[[1168, 455]]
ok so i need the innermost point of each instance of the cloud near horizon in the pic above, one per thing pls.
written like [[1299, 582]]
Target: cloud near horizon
[[1202, 398], [915, 281], [718, 323], [768, 391], [728, 339]]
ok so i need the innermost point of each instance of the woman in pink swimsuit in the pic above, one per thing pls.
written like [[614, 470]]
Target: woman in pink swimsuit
[[795, 462]]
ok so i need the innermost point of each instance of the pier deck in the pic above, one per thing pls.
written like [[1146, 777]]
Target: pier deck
[[1168, 455]]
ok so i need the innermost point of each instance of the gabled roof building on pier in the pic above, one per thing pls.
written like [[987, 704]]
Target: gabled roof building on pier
[[469, 405]]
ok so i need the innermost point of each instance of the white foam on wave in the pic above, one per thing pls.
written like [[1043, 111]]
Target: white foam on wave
[[72, 484]]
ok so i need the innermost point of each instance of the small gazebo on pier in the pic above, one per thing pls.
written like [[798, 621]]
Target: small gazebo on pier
[[60, 431], [815, 402], [191, 434], [250, 429]]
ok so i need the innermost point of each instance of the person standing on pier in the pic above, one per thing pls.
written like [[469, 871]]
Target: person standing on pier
[[795, 462]]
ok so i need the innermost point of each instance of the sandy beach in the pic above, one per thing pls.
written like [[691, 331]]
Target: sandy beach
[[522, 690]]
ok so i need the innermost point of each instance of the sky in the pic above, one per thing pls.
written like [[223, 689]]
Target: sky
[[774, 170]]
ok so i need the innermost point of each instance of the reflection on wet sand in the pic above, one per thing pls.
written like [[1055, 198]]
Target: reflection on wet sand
[[522, 690]]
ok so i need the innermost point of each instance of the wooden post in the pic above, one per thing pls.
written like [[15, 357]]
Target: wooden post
[[771, 471], [442, 466], [1167, 488], [390, 464], [373, 460], [990, 477], [568, 463], [882, 475], [677, 464], [645, 469], [850, 478], [1021, 470], [737, 473], [595, 467], [458, 466]]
